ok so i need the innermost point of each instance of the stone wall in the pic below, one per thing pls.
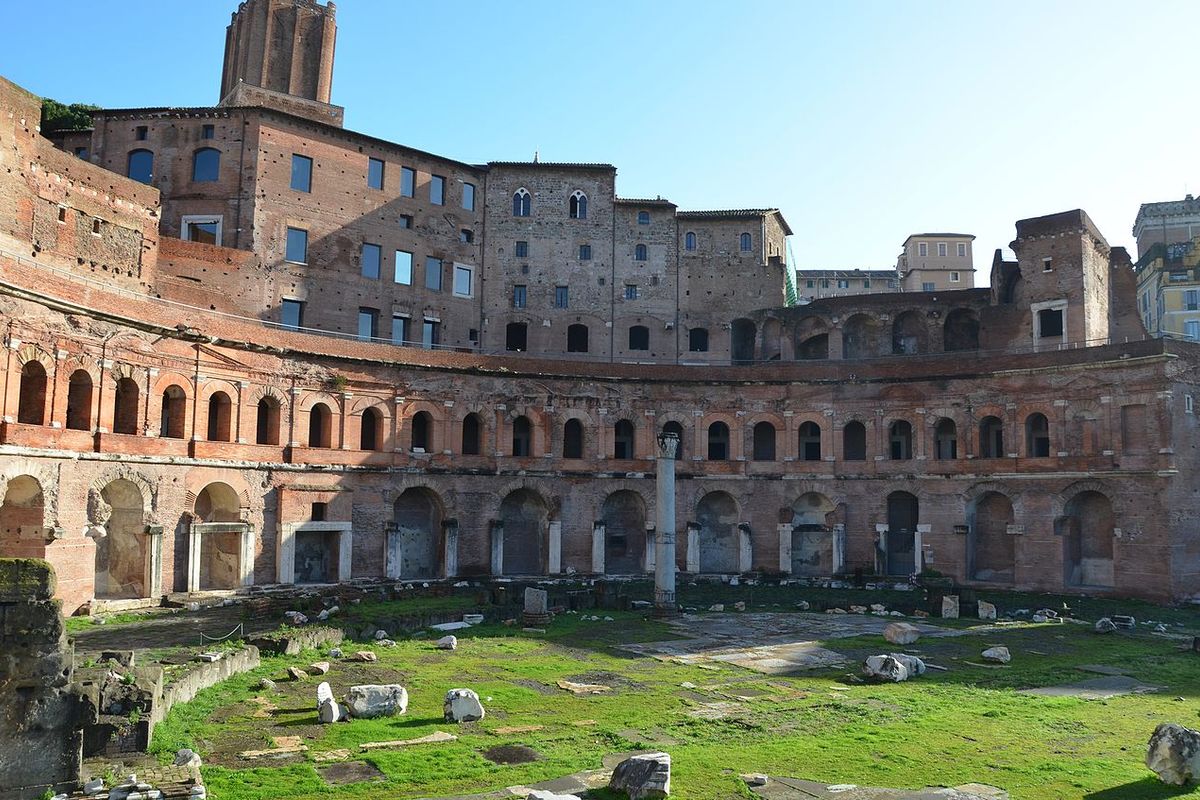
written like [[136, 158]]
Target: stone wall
[[41, 717]]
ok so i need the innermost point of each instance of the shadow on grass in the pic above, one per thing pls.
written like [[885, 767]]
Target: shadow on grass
[[1145, 789]]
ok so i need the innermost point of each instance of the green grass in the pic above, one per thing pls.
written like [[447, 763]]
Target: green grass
[[964, 725]]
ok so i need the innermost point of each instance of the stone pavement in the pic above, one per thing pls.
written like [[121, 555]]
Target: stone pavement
[[773, 643], [796, 789], [173, 629]]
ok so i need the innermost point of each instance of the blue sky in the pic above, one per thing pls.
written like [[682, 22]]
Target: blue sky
[[863, 121]]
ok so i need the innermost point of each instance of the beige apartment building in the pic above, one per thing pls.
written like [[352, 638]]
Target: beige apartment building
[[1173, 222], [813, 284], [933, 262], [1168, 289]]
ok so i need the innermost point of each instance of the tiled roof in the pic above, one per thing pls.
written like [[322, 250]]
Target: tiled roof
[[943, 235], [737, 213], [639, 201], [551, 165]]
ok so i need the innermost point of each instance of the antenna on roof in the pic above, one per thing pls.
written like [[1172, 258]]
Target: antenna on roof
[[535, 156]]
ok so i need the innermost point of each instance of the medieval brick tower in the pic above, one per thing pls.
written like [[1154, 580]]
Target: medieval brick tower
[[283, 46]]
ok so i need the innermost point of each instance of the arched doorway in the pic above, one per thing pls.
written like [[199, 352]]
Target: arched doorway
[[79, 401], [624, 516], [860, 337], [902, 515], [990, 547], [22, 519], [417, 519], [718, 539], [122, 554], [812, 535], [961, 331], [217, 540], [909, 335], [1088, 540], [743, 332], [526, 521], [31, 404]]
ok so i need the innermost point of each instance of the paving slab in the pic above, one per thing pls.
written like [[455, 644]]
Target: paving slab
[[1095, 688], [798, 789]]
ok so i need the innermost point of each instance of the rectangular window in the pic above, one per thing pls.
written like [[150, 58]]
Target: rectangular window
[[810, 284], [843, 284], [1047, 265], [954, 277], [297, 246], [292, 315], [1189, 404], [403, 272], [922, 249], [585, 252], [522, 250], [519, 296], [431, 334], [942, 249], [561, 297], [468, 199], [437, 190], [142, 132], [891, 283], [464, 280], [81, 152], [1191, 329], [866, 283], [824, 283], [405, 221], [1191, 299], [374, 173], [368, 319], [1179, 277], [927, 287], [962, 250], [399, 329], [207, 132], [433, 273], [371, 254], [1050, 323], [302, 173], [204, 229], [408, 181], [466, 236], [631, 291]]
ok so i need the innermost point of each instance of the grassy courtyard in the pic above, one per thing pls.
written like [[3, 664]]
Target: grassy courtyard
[[968, 723]]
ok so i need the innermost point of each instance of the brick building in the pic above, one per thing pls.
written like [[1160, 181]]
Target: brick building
[[166, 429]]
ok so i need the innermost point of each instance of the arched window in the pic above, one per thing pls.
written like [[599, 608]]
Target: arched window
[[639, 253], [698, 340], [677, 429], [422, 432], [900, 436], [219, 417], [689, 241], [140, 166], [854, 441], [522, 437], [31, 408], [206, 165], [639, 338], [577, 205], [125, 406], [266, 423], [1037, 436], [577, 338], [522, 203], [764, 442], [945, 437], [746, 243], [470, 435], [369, 437], [79, 401], [810, 441], [320, 426], [718, 441], [573, 439], [623, 439], [174, 413], [991, 438]]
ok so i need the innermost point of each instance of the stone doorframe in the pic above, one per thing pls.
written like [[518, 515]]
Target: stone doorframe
[[394, 555], [196, 534], [553, 547], [838, 532], [881, 551], [285, 548]]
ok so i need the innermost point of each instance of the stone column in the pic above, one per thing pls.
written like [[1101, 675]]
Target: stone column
[[839, 548], [345, 544], [648, 556], [193, 557], [450, 548], [554, 551], [693, 548], [881, 549], [599, 529], [745, 547], [784, 530], [154, 540], [393, 553], [664, 556], [246, 556], [918, 554], [497, 547]]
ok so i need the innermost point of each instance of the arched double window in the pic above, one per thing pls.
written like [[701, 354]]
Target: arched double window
[[206, 165], [522, 203], [576, 206]]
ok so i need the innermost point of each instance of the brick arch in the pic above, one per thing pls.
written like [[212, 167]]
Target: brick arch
[[31, 352], [310, 398], [359, 404], [123, 369], [47, 479], [552, 502], [447, 497], [261, 391], [196, 479], [1060, 499], [167, 378], [435, 410], [1015, 496], [125, 472], [213, 385]]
